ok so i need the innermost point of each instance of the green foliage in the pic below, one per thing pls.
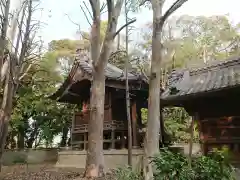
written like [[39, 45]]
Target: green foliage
[[172, 166], [175, 166], [34, 114], [177, 123], [126, 173], [191, 39], [118, 58], [144, 113]]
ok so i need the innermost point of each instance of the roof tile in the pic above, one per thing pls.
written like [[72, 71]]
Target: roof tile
[[111, 71], [214, 77]]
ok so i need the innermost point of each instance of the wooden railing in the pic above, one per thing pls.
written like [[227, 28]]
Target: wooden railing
[[107, 125]]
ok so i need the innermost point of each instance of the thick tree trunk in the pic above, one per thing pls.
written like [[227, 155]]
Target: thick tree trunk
[[5, 112], [94, 163], [152, 135], [3, 42], [95, 159], [151, 145], [94, 166], [4, 122]]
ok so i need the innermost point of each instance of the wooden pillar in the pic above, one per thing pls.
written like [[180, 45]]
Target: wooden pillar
[[122, 140], [161, 138], [191, 138], [201, 136], [72, 129], [110, 105], [139, 115], [235, 148], [113, 139], [85, 141], [134, 123]]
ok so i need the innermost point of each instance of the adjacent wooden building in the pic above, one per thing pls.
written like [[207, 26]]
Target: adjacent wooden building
[[211, 95], [76, 89]]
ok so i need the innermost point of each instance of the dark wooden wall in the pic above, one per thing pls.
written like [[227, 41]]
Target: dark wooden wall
[[83, 118], [220, 132]]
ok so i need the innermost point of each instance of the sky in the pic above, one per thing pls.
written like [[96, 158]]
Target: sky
[[59, 26], [55, 15]]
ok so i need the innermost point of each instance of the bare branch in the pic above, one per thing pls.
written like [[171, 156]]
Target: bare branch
[[79, 28], [27, 33], [143, 2], [117, 52], [85, 14], [93, 6], [103, 7], [110, 9], [121, 28], [117, 8], [25, 72], [84, 3], [177, 4]]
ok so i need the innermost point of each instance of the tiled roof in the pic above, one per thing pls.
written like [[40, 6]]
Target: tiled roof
[[111, 71], [215, 77], [82, 61]]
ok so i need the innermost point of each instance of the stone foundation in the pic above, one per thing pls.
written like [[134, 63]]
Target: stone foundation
[[112, 158], [30, 156]]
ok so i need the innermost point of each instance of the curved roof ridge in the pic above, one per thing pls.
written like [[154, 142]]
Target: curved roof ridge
[[216, 65]]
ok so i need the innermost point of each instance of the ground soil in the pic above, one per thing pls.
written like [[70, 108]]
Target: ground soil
[[42, 172]]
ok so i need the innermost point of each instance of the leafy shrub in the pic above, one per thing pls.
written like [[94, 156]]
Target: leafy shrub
[[172, 166], [214, 166], [175, 166], [126, 173]]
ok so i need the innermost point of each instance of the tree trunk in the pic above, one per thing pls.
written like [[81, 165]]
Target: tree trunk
[[20, 142], [6, 109], [128, 106], [95, 159], [33, 135], [3, 41], [31, 140], [151, 145], [152, 135], [69, 142], [63, 142], [95, 162], [4, 28]]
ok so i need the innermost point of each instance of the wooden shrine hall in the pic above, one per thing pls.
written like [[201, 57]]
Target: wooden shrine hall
[[76, 90], [211, 95]]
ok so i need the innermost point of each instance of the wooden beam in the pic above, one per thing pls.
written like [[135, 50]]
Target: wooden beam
[[191, 140], [73, 124], [110, 105], [161, 127], [121, 85], [201, 136], [73, 94], [134, 123], [112, 139]]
